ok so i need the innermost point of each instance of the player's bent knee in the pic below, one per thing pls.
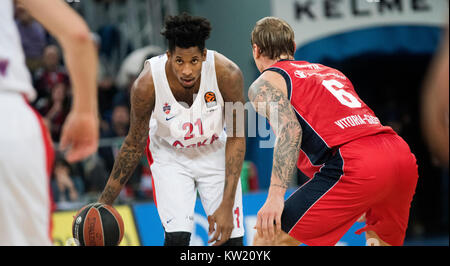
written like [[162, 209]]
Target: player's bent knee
[[372, 239], [259, 241], [284, 239], [177, 238]]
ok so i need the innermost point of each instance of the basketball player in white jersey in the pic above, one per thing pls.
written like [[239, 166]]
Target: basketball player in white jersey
[[178, 116], [26, 153]]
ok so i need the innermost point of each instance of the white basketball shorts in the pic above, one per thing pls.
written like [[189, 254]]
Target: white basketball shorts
[[176, 183], [26, 156]]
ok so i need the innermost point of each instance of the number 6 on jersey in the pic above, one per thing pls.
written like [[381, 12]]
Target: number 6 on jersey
[[343, 96]]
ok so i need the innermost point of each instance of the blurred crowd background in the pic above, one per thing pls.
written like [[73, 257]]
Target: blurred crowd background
[[128, 32]]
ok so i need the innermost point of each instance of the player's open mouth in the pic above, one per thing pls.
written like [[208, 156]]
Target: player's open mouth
[[188, 82]]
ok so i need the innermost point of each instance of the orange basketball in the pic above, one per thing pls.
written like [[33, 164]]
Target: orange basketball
[[98, 224]]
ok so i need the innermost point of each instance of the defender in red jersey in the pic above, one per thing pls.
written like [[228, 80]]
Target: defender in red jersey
[[356, 165]]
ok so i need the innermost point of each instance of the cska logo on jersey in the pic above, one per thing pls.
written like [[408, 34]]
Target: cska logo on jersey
[[3, 66], [166, 108]]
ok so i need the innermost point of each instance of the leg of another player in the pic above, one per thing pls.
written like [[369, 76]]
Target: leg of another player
[[372, 239], [177, 238], [282, 239]]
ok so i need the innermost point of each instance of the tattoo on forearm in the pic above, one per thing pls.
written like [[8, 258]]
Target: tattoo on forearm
[[132, 148], [109, 194], [234, 161], [287, 129], [128, 157], [231, 83], [126, 160], [123, 168], [286, 153]]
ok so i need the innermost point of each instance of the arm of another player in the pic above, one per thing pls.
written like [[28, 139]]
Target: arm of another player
[[435, 103], [80, 130], [231, 83], [268, 95], [142, 103]]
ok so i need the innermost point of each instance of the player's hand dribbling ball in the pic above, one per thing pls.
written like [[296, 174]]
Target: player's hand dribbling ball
[[98, 224]]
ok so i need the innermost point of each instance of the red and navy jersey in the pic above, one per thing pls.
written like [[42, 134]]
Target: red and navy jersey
[[328, 109]]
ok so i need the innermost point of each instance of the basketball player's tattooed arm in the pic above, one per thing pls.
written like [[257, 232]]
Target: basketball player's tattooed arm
[[142, 103], [230, 81], [268, 94], [272, 103]]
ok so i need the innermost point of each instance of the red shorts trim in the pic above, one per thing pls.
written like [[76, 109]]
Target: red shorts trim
[[50, 157], [150, 162]]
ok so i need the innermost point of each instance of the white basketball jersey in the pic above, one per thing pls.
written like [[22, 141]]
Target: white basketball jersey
[[195, 130], [186, 151], [14, 75]]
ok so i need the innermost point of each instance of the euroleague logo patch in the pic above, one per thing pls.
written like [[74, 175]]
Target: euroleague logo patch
[[210, 99]]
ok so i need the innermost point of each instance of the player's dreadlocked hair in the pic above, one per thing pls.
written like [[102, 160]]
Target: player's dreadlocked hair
[[186, 31]]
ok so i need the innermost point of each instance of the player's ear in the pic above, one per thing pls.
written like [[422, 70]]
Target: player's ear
[[256, 51], [168, 54], [204, 54]]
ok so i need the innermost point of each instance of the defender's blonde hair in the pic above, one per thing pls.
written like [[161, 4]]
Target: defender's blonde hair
[[274, 37]]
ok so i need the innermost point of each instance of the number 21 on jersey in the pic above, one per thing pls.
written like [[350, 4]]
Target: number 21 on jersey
[[189, 127]]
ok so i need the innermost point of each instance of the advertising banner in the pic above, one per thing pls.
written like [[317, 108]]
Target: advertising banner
[[315, 19]]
